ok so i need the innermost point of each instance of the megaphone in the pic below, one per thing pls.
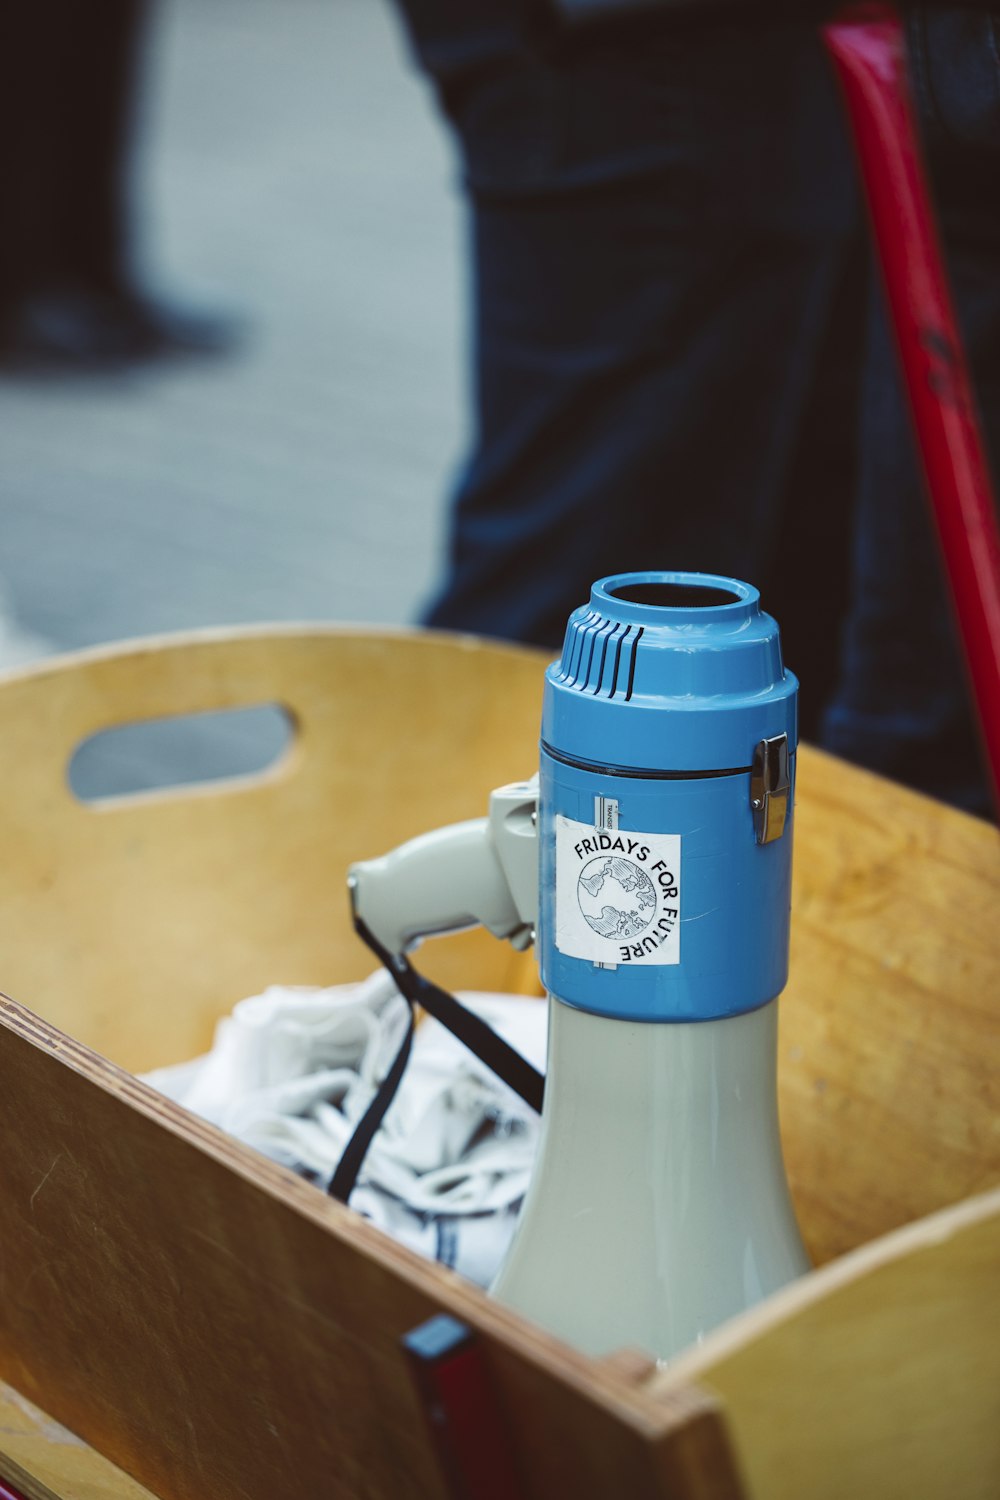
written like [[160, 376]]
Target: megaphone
[[650, 860]]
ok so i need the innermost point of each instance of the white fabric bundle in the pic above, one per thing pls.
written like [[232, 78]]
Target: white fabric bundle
[[292, 1071]]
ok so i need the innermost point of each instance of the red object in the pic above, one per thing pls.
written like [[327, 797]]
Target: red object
[[461, 1408], [7, 1491], [866, 44]]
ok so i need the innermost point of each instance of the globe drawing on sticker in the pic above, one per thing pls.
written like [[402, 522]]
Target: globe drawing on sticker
[[617, 898]]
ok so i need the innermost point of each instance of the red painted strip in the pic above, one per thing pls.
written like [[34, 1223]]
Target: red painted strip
[[465, 1421], [475, 1426], [866, 44]]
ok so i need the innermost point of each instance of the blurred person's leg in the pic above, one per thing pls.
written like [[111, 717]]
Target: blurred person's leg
[[24, 166], [903, 704], [663, 237], [91, 134], [66, 71], [70, 293]]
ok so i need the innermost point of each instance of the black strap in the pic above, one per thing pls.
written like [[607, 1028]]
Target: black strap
[[346, 1175], [471, 1031]]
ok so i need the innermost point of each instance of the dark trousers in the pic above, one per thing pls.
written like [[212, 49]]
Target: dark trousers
[[67, 69], [677, 364]]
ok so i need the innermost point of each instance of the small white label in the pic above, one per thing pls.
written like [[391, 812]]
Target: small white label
[[618, 894], [606, 814], [606, 821]]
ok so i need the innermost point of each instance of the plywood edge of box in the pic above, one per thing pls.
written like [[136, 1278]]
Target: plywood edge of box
[[45, 1461], [878, 1374]]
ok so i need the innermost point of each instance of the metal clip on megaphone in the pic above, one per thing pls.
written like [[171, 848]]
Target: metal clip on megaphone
[[652, 859]]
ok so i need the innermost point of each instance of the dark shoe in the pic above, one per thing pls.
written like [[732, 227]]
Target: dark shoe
[[81, 331], [153, 326]]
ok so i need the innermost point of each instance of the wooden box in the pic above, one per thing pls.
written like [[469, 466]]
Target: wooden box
[[212, 1326]]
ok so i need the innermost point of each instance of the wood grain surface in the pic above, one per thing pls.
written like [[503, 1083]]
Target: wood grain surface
[[135, 924], [889, 1065]]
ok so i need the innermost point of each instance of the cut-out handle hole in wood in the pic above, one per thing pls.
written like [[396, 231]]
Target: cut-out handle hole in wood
[[183, 750]]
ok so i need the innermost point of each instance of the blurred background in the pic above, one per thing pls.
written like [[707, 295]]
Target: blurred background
[[237, 390], [289, 173], [289, 177]]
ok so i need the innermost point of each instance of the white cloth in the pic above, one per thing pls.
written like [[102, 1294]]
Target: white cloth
[[292, 1071]]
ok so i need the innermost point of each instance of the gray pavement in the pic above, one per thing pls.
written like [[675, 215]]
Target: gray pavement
[[290, 164]]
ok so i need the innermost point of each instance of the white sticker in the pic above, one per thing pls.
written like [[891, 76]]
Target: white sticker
[[618, 894]]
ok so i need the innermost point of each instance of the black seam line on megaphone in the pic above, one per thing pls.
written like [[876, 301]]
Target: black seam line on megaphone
[[631, 665], [471, 1030], [618, 656], [598, 768]]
